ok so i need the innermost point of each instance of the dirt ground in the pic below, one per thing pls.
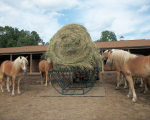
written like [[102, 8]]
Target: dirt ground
[[114, 106]]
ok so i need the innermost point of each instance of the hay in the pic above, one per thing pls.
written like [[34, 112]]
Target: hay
[[72, 48]]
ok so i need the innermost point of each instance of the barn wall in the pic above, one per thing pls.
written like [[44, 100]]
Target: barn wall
[[35, 65], [35, 60]]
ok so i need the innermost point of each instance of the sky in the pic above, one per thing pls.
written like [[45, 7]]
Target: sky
[[129, 18]]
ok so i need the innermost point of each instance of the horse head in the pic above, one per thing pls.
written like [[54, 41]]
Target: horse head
[[105, 55], [109, 60], [24, 63]]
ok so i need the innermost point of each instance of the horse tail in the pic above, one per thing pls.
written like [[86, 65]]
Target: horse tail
[[42, 74], [1, 70], [51, 65]]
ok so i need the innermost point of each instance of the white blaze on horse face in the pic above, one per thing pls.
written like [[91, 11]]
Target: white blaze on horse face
[[24, 65]]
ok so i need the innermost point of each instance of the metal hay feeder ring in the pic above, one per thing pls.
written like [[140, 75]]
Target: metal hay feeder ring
[[73, 82]]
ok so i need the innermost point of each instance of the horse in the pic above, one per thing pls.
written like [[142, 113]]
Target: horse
[[120, 77], [13, 69], [131, 65], [118, 71], [44, 67]]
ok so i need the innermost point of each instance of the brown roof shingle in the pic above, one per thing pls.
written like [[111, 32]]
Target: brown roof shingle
[[123, 44], [102, 45], [37, 48]]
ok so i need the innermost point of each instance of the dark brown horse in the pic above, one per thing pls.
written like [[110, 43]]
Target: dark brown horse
[[44, 67], [131, 65], [13, 69]]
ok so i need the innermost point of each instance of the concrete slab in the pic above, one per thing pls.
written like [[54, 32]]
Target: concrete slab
[[94, 92]]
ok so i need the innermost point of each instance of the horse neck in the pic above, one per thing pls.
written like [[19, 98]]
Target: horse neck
[[120, 57], [16, 64], [51, 65]]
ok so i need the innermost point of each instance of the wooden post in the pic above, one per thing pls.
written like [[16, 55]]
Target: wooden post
[[128, 50], [10, 57], [102, 64], [30, 63]]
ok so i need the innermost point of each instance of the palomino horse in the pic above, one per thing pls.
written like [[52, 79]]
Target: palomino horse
[[44, 67], [131, 65], [118, 71], [13, 69]]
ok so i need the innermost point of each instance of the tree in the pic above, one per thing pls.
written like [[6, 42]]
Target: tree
[[12, 37], [107, 36], [26, 38], [8, 36], [47, 43]]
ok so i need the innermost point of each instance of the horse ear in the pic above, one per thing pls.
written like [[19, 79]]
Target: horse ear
[[111, 51], [26, 57], [20, 57]]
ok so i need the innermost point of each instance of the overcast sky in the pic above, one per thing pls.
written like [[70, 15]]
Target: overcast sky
[[129, 18]]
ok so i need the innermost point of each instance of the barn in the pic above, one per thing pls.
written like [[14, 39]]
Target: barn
[[34, 53]]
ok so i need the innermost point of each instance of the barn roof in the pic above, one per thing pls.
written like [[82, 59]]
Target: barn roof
[[24, 49], [102, 45], [124, 44]]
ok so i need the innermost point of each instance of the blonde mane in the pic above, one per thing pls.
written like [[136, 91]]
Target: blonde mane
[[105, 51], [121, 56], [18, 61]]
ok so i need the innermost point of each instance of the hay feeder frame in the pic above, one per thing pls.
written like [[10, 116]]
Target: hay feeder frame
[[73, 82]]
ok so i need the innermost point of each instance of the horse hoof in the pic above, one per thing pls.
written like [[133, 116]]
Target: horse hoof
[[134, 100], [125, 87], [141, 86], [145, 92], [13, 94], [8, 90], [45, 85], [117, 88], [128, 96]]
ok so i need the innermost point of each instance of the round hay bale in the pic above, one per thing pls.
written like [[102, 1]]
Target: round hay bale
[[72, 48]]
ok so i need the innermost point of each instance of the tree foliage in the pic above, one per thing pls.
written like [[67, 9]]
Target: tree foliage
[[107, 36], [12, 37]]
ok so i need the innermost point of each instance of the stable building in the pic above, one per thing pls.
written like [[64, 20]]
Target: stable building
[[34, 52]]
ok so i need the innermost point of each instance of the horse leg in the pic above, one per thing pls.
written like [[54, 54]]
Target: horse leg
[[145, 86], [41, 77], [50, 79], [19, 85], [130, 93], [121, 79], [118, 79], [8, 83], [141, 83], [131, 89], [1, 85], [125, 83], [13, 90], [46, 73]]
